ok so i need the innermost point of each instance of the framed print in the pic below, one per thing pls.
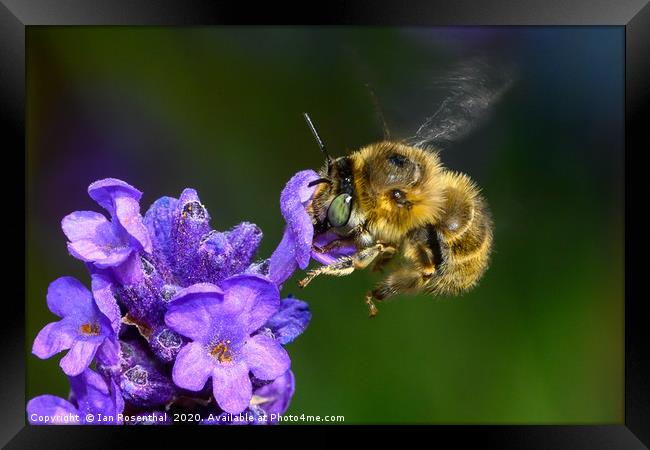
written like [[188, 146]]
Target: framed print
[[375, 215]]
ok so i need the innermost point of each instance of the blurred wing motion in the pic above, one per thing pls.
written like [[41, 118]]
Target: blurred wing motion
[[468, 93]]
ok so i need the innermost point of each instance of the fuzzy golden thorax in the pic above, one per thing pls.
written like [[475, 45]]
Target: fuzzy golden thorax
[[397, 188]]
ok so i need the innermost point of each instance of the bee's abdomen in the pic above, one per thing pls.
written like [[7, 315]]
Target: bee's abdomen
[[464, 240]]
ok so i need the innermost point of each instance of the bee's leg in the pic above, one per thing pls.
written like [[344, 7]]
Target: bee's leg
[[372, 308], [336, 243], [358, 235], [406, 279], [420, 256], [378, 266], [425, 259], [340, 267], [347, 264]]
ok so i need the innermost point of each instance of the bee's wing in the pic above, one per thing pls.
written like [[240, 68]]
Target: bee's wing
[[465, 95]]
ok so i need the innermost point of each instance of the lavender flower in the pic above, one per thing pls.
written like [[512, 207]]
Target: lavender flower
[[83, 327], [269, 402], [220, 324], [274, 398], [289, 322], [90, 394], [173, 305], [296, 247], [186, 250], [108, 244]]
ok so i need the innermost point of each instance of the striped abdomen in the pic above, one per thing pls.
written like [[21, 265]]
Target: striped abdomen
[[461, 240]]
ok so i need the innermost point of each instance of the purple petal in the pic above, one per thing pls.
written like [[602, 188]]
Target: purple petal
[[118, 402], [89, 389], [108, 358], [51, 410], [298, 186], [80, 355], [328, 258], [255, 296], [83, 224], [193, 311], [53, 338], [302, 233], [104, 192], [105, 299], [283, 260], [292, 204], [93, 395], [231, 387], [127, 210], [192, 367], [198, 290], [67, 296], [290, 321], [265, 357], [94, 239], [278, 394], [130, 271], [118, 257]]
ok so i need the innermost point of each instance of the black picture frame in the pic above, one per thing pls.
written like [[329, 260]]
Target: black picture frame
[[633, 15]]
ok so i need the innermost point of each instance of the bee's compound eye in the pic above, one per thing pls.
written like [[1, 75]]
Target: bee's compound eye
[[338, 213]]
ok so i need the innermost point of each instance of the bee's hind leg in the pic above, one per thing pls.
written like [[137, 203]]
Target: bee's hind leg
[[383, 259], [372, 308], [347, 264]]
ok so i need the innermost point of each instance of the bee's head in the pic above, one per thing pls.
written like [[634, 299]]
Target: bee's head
[[339, 210], [334, 199]]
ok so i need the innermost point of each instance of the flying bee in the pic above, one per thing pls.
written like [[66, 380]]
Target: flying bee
[[395, 198]]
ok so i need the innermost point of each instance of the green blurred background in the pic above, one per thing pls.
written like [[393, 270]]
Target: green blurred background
[[219, 109]]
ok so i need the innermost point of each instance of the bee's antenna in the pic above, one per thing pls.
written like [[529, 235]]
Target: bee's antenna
[[319, 141], [379, 111], [320, 181]]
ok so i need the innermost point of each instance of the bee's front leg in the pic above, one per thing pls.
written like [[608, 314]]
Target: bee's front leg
[[336, 243], [358, 235], [347, 264], [340, 267]]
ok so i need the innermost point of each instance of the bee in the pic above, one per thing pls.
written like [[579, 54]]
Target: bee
[[395, 198]]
